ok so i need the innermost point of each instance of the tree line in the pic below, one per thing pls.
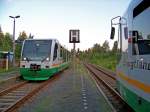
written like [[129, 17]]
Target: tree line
[[97, 48], [101, 55], [6, 42]]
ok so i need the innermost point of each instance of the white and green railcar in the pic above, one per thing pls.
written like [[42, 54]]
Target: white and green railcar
[[133, 69], [42, 58]]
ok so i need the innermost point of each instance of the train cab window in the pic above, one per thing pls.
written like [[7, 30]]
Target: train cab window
[[141, 24], [141, 46], [36, 50], [126, 32], [55, 51], [144, 47]]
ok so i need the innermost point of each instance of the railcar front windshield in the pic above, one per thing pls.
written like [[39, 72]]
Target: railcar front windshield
[[36, 50]]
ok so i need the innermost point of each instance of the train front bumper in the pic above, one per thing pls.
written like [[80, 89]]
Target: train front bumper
[[42, 74]]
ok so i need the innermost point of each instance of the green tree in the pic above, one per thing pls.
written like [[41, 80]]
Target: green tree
[[18, 51], [97, 48], [31, 36], [105, 46], [7, 42], [22, 36], [115, 47], [1, 41]]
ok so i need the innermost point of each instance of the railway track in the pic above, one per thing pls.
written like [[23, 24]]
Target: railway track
[[107, 84], [15, 96], [9, 82]]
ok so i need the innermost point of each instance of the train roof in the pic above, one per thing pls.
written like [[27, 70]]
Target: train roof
[[49, 39], [43, 39], [133, 4]]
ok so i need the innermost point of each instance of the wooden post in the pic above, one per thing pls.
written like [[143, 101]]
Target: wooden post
[[6, 63]]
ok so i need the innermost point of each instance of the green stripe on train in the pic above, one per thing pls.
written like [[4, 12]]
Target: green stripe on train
[[43, 74], [136, 102]]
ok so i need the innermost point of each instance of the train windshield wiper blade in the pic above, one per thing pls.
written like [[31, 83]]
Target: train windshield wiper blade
[[28, 59], [44, 59]]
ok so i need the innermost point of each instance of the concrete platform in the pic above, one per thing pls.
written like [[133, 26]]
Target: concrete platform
[[72, 91]]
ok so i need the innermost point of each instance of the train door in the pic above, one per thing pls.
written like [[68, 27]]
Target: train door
[[61, 54], [55, 53]]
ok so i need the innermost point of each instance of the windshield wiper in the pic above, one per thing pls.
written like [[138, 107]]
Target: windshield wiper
[[28, 59], [44, 58]]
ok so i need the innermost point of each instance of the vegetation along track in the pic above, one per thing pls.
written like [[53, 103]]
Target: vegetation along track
[[107, 83], [13, 97]]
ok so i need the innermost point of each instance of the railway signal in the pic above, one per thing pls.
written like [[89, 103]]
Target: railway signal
[[74, 37]]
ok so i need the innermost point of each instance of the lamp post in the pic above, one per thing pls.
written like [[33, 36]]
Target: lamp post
[[14, 17]]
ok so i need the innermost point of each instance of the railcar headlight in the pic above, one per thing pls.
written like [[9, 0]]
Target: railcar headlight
[[47, 59], [24, 59]]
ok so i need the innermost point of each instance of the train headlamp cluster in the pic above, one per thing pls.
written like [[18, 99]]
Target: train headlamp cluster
[[24, 58], [47, 59]]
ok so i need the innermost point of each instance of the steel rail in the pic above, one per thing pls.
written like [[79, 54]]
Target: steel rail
[[14, 97], [6, 91], [104, 71], [26, 97], [9, 82], [10, 78], [112, 95]]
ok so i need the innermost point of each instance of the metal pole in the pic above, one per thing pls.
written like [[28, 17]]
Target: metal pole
[[74, 54], [14, 17], [120, 26], [14, 44], [74, 50]]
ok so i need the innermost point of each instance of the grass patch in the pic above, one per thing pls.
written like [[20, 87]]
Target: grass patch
[[106, 60], [9, 70]]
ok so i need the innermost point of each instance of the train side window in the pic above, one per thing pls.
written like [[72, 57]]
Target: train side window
[[126, 32], [55, 51], [135, 37], [141, 17], [61, 52], [64, 55]]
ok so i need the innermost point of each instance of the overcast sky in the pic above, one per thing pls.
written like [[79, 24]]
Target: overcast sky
[[54, 18]]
